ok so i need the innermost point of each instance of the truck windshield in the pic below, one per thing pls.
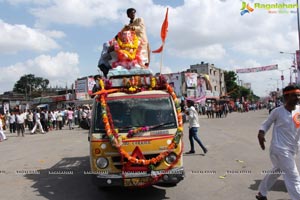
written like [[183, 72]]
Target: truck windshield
[[156, 113]]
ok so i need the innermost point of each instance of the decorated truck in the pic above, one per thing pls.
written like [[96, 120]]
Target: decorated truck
[[136, 132], [136, 127]]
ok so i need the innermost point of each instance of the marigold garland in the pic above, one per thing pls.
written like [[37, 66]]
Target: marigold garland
[[129, 48], [116, 140], [133, 131], [153, 82], [133, 45]]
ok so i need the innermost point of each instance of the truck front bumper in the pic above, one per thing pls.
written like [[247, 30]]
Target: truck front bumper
[[136, 179]]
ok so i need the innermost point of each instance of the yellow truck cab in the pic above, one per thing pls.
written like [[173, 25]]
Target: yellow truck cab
[[136, 132]]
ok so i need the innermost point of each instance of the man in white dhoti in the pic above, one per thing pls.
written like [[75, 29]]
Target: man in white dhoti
[[284, 144]]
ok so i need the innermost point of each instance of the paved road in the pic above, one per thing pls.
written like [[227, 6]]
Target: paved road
[[231, 170]]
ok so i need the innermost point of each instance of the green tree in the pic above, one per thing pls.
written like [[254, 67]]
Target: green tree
[[231, 85], [30, 85], [234, 90], [244, 92]]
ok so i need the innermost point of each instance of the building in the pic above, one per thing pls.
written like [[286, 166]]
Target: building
[[84, 87], [216, 77], [176, 81], [12, 101]]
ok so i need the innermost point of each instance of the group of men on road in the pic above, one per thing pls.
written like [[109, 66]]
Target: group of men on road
[[42, 120]]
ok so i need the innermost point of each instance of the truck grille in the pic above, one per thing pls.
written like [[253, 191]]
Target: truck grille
[[117, 160]]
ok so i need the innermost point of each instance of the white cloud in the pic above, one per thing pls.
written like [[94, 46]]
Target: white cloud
[[59, 69], [209, 52], [54, 34], [210, 31], [38, 2], [195, 25], [77, 12], [15, 38]]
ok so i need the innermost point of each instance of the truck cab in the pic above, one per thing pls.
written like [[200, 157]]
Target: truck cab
[[136, 133]]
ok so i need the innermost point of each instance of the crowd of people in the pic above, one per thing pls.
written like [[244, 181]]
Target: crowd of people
[[42, 120], [220, 109], [214, 110]]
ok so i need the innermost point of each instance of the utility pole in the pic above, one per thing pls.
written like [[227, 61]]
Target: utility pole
[[292, 66], [298, 24], [282, 78]]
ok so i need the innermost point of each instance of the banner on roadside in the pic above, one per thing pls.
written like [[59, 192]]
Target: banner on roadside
[[257, 69]]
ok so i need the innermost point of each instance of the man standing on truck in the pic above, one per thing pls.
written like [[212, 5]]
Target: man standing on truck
[[193, 127], [138, 25]]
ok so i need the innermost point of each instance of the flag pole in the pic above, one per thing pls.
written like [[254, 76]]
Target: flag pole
[[161, 58], [163, 35]]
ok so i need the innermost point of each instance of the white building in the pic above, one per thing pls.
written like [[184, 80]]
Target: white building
[[216, 77]]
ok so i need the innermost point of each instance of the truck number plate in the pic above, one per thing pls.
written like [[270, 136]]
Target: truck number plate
[[137, 181]]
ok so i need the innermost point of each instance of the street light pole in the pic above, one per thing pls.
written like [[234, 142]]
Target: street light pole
[[290, 76], [293, 65], [282, 78], [298, 24], [277, 84]]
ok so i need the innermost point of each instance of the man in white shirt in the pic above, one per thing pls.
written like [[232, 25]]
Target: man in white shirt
[[20, 119], [37, 122], [193, 127], [284, 144], [137, 24]]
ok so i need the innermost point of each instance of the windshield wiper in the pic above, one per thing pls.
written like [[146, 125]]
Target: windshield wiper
[[160, 125], [127, 128], [124, 128]]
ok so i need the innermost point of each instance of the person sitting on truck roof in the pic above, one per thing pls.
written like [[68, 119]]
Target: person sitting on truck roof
[[103, 63]]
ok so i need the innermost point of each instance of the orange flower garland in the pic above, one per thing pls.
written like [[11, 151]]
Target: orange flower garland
[[116, 140], [128, 49], [113, 136]]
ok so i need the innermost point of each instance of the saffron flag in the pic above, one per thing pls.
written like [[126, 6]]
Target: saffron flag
[[163, 33], [159, 49], [164, 28]]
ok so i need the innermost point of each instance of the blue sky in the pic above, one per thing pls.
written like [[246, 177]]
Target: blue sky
[[61, 40]]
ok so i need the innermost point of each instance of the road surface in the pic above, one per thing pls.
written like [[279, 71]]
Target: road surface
[[53, 165]]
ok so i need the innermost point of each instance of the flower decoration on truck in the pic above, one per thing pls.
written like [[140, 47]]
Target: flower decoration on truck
[[107, 119], [116, 140], [134, 130]]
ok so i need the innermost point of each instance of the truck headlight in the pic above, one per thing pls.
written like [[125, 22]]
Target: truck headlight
[[171, 158], [102, 162]]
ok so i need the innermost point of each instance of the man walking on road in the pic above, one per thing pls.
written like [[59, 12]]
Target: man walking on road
[[284, 144], [37, 122], [193, 127]]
